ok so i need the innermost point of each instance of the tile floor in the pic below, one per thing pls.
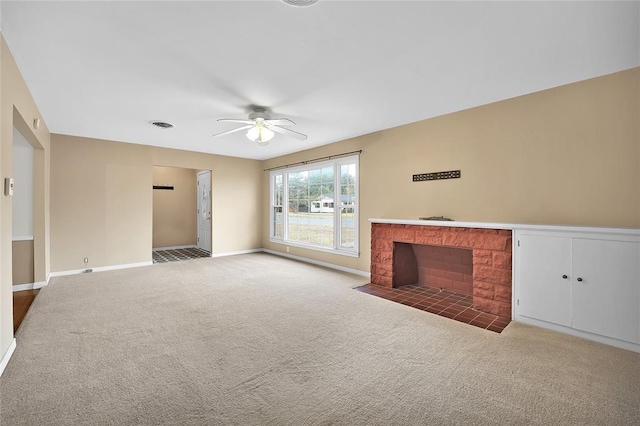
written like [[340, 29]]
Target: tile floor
[[176, 255], [440, 302]]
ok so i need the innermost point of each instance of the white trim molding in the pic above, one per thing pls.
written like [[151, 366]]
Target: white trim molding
[[316, 248], [29, 286], [25, 238], [233, 253], [100, 269], [40, 284], [319, 263], [22, 287], [188, 246], [511, 226], [7, 356], [630, 346]]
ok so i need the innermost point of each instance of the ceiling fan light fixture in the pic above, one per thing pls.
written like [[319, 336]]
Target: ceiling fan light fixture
[[261, 128], [260, 134], [299, 3]]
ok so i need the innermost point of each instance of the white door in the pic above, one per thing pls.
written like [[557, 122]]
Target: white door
[[204, 210], [544, 278], [606, 293]]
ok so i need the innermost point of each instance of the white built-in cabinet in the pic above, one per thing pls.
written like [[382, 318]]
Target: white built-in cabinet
[[582, 283]]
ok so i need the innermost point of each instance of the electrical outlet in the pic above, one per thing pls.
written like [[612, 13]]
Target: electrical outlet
[[86, 260], [287, 249]]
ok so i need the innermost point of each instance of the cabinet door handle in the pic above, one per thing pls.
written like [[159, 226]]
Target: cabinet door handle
[[580, 280], [564, 277]]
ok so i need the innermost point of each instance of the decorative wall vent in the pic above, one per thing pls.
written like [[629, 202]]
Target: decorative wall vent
[[452, 174]]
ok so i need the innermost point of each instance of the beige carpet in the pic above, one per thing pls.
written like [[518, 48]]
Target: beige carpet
[[261, 340]]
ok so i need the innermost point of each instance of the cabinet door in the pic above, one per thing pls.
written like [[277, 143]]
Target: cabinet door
[[543, 293], [607, 299]]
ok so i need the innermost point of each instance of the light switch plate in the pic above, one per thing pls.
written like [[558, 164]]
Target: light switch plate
[[8, 186]]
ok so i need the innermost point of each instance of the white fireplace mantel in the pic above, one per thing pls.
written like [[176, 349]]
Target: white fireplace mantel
[[510, 226]]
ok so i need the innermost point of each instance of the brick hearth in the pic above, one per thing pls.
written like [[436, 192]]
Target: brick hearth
[[491, 259]]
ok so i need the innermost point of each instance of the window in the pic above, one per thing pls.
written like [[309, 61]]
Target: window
[[316, 205]]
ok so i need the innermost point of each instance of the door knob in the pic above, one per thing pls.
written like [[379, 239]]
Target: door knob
[[564, 277], [579, 279]]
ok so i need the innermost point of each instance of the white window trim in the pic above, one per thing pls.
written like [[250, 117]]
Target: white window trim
[[337, 249]]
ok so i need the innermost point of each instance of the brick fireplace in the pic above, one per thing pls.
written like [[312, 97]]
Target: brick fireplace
[[470, 261]]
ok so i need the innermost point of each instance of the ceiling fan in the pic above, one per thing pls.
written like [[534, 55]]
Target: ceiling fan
[[261, 128]]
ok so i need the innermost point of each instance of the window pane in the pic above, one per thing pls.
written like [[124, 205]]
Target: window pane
[[310, 217], [277, 200], [298, 185], [348, 174], [277, 222], [315, 191], [315, 176], [347, 205], [347, 228], [327, 174]]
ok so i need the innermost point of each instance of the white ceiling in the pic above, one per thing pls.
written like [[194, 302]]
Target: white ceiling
[[339, 69]]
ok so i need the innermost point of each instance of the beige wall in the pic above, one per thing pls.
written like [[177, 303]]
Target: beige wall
[[569, 155], [174, 211], [236, 196], [22, 261], [102, 202], [18, 109]]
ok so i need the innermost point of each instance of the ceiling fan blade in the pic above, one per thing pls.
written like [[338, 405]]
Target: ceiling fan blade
[[280, 122], [239, 129], [236, 120], [288, 132]]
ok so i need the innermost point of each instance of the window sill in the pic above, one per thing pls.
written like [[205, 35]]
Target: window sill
[[348, 253]]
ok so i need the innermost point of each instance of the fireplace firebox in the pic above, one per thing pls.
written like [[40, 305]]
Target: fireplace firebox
[[433, 266], [470, 261]]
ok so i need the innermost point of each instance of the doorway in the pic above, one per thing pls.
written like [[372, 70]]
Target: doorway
[[204, 210], [179, 207], [27, 243], [22, 213]]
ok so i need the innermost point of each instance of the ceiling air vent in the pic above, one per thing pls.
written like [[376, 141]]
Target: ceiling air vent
[[300, 2], [162, 124]]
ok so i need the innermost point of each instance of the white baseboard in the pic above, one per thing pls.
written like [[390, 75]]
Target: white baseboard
[[22, 287], [7, 356], [40, 284], [317, 262], [29, 286], [175, 247], [23, 238], [578, 333], [233, 253], [100, 269]]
